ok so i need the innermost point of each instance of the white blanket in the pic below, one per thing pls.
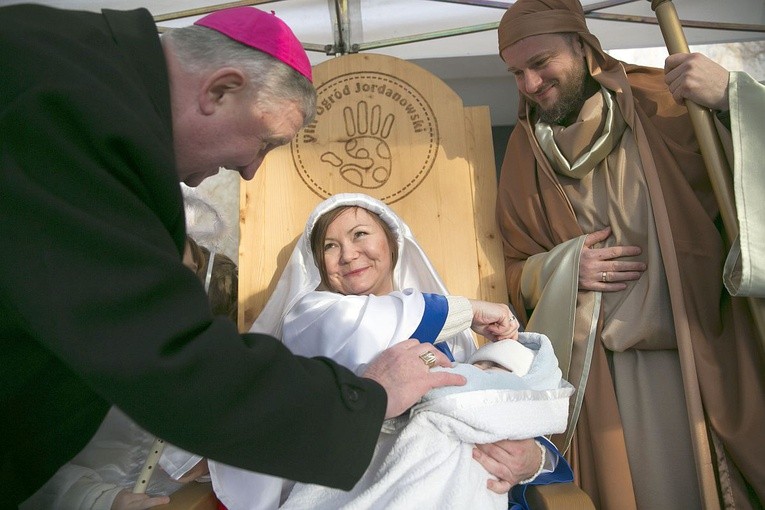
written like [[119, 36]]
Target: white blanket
[[427, 462]]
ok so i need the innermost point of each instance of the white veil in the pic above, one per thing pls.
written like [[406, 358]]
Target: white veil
[[301, 276]]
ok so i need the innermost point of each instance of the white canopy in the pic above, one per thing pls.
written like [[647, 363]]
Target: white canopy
[[456, 39]]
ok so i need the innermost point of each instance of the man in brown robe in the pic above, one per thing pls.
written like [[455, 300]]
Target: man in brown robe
[[613, 248]]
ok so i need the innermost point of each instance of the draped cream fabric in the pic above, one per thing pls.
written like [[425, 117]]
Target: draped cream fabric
[[745, 266], [574, 151]]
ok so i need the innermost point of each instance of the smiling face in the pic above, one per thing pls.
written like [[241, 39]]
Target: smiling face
[[551, 72], [241, 140], [357, 254]]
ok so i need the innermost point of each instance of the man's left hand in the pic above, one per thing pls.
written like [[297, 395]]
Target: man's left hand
[[510, 461]]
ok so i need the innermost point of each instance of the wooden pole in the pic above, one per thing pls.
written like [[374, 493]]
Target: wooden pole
[[720, 173]]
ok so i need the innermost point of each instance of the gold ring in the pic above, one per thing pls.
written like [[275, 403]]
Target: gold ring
[[429, 359], [604, 277]]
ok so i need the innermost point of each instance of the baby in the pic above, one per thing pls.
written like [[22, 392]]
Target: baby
[[514, 390]]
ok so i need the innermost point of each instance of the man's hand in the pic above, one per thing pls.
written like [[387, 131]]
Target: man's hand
[[406, 377], [509, 461], [599, 268], [694, 76], [494, 321]]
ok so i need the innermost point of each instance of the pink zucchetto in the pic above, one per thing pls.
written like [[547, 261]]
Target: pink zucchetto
[[262, 31]]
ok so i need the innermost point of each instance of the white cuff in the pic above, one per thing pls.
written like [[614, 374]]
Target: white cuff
[[541, 465], [458, 319]]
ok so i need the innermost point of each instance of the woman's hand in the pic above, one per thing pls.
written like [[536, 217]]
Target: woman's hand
[[494, 321], [509, 461]]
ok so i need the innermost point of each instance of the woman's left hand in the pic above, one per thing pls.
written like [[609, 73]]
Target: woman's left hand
[[494, 321], [510, 461]]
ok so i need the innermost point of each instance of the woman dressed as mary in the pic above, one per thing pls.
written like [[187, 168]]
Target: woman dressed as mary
[[357, 283]]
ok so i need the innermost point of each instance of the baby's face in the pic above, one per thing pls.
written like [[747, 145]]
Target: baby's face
[[490, 366]]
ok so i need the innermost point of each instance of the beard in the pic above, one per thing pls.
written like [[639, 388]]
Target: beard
[[573, 94]]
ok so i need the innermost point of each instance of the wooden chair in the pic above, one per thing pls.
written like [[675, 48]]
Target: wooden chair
[[390, 129]]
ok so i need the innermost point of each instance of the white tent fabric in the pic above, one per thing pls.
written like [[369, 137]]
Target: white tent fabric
[[368, 22], [469, 62]]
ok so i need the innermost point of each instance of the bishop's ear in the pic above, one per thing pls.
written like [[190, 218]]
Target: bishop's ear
[[220, 86]]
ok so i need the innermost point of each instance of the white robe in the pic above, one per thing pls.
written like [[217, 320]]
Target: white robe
[[239, 489], [351, 330], [109, 463]]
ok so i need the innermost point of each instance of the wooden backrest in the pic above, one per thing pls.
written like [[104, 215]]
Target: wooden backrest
[[392, 130]]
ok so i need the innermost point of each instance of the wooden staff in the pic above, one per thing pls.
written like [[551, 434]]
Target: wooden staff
[[712, 152]]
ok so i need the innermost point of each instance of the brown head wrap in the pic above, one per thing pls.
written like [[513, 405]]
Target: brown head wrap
[[534, 17]]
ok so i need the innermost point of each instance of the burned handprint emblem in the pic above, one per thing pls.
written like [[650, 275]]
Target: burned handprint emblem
[[366, 157], [372, 132]]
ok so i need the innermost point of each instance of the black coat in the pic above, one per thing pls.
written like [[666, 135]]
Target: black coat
[[95, 304]]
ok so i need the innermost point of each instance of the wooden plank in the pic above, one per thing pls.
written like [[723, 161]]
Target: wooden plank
[[491, 264], [192, 496]]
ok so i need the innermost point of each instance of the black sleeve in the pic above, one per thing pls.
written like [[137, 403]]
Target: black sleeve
[[95, 304]]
